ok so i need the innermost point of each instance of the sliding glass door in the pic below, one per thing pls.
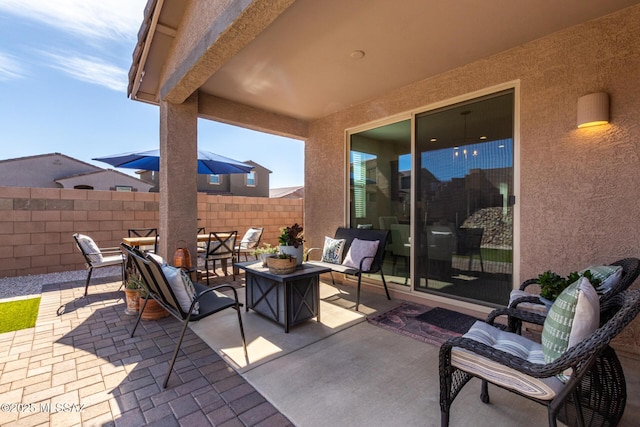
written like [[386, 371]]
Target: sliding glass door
[[447, 206], [380, 175], [464, 196]]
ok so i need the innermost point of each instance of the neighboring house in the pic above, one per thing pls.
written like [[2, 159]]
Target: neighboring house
[[464, 113], [253, 184], [57, 170], [287, 193]]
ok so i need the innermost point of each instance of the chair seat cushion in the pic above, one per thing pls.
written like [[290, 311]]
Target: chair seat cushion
[[497, 373], [109, 260], [338, 268], [359, 250], [210, 302]]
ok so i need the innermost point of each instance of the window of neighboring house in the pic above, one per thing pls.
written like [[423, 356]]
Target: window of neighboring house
[[125, 188], [214, 179], [83, 187], [251, 179]]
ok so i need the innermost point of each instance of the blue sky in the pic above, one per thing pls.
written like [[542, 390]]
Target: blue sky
[[63, 83]]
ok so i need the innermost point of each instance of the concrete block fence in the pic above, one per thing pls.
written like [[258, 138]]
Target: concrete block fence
[[37, 224]]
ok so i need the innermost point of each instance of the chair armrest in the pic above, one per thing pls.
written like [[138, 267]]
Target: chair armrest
[[514, 313], [529, 282], [306, 258], [531, 300]]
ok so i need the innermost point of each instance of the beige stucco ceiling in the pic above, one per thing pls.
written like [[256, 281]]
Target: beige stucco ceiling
[[302, 65]]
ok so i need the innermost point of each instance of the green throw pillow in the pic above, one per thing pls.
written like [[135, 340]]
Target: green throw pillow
[[574, 315]]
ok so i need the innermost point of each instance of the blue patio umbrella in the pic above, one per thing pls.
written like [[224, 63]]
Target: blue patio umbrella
[[208, 163]]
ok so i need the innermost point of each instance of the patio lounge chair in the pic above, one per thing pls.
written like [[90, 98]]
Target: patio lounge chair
[[96, 257], [171, 296], [489, 353]]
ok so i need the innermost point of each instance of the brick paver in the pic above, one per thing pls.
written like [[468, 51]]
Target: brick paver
[[82, 368]]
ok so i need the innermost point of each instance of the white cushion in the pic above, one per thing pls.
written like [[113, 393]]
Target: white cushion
[[574, 315], [181, 286], [250, 238], [332, 250], [358, 250], [90, 248], [497, 373]]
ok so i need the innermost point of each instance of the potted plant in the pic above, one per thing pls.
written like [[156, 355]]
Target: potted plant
[[291, 242], [552, 284], [132, 289], [263, 252], [281, 264]]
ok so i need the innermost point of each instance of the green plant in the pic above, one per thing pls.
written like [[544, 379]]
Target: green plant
[[134, 282], [284, 256], [291, 236], [265, 249], [552, 284]]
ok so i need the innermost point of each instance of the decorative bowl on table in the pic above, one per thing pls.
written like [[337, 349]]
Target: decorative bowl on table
[[279, 265]]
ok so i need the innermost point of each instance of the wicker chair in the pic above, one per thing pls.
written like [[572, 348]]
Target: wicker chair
[[630, 272], [594, 364]]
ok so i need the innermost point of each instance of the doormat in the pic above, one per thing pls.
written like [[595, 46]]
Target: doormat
[[426, 324]]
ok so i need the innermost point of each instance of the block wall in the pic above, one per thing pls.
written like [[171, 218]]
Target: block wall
[[37, 224]]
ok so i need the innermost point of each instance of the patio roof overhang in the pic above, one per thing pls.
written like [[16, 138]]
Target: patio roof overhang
[[305, 59]]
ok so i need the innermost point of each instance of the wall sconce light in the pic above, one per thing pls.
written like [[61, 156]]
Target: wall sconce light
[[593, 109]]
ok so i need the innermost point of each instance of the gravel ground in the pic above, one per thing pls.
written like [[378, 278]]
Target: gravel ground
[[23, 287]]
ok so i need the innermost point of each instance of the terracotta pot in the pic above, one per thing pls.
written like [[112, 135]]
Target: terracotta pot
[[132, 296], [182, 259], [281, 265], [153, 311]]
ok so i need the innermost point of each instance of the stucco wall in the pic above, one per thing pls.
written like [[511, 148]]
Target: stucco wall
[[578, 195], [37, 224]]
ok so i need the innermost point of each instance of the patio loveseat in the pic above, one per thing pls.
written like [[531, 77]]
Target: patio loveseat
[[354, 251]]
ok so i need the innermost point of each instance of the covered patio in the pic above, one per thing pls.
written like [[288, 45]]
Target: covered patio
[[328, 72], [344, 371]]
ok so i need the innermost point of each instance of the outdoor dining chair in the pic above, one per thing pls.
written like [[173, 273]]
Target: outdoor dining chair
[[220, 247], [145, 232], [96, 257], [184, 300], [249, 242], [575, 383]]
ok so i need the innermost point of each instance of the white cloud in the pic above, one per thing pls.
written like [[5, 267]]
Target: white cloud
[[91, 70], [10, 68], [96, 19]]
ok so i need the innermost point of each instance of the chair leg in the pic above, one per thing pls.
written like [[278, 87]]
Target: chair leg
[[384, 282], [144, 304], [358, 292], [332, 281], [484, 392], [175, 354], [206, 269], [244, 341], [86, 286]]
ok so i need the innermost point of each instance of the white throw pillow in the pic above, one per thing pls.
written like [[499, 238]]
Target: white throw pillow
[[181, 286], [358, 250], [90, 248], [332, 250]]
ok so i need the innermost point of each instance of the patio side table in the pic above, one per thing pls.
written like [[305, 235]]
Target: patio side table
[[288, 299]]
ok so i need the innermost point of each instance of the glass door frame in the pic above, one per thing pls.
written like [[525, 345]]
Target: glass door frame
[[411, 115]]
